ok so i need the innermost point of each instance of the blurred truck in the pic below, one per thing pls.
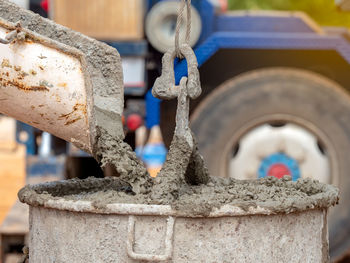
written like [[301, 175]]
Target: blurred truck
[[275, 86]]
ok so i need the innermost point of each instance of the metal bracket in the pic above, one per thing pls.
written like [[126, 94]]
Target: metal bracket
[[148, 257], [164, 86]]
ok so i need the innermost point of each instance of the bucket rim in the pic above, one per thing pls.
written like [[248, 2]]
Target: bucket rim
[[38, 196], [151, 210]]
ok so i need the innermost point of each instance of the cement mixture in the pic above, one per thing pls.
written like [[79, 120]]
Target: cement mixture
[[276, 195]]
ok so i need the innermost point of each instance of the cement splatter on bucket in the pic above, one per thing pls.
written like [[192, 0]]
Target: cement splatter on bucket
[[101, 220]]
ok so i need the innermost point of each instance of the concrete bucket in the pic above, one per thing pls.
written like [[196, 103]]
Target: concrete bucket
[[70, 223]]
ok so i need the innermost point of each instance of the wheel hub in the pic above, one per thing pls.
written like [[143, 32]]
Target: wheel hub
[[279, 165], [286, 149], [278, 171]]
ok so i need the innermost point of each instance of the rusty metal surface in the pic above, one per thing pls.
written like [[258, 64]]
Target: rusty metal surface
[[44, 85], [101, 67]]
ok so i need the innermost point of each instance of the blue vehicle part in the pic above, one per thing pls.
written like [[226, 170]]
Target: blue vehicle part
[[48, 166], [152, 110], [138, 48], [280, 161], [271, 41], [29, 137], [149, 4], [262, 22], [207, 13]]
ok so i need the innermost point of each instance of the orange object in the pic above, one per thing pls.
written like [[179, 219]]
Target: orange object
[[12, 177], [153, 171]]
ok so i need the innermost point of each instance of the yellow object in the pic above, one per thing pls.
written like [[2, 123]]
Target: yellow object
[[101, 19], [7, 134], [12, 165], [12, 176]]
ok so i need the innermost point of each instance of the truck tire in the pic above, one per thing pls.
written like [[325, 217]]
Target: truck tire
[[161, 21], [281, 95]]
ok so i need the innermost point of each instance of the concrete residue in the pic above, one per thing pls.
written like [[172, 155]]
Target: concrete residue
[[175, 176], [111, 151], [278, 196], [36, 195]]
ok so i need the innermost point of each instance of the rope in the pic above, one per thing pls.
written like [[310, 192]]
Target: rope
[[178, 26]]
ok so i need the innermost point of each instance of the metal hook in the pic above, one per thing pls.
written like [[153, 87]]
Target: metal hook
[[164, 86]]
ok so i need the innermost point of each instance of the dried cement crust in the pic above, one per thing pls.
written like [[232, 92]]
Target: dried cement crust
[[268, 194]]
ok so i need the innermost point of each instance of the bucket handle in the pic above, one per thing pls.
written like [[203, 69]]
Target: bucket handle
[[149, 257]]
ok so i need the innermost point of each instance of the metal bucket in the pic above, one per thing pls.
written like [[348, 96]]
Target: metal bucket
[[63, 230]]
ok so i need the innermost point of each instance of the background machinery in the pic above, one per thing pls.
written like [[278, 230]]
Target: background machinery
[[275, 100]]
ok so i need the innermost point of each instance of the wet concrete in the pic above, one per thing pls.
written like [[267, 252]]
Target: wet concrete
[[278, 196]]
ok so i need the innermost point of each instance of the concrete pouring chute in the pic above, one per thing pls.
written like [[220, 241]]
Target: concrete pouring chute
[[44, 87], [58, 80]]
